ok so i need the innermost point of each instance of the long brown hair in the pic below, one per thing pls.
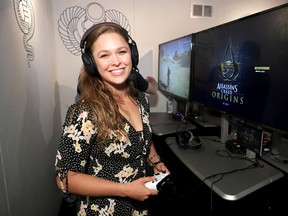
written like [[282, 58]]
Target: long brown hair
[[99, 95]]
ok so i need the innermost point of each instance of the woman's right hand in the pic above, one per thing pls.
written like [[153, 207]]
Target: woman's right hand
[[137, 189]]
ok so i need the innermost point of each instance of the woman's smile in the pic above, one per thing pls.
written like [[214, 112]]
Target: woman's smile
[[117, 72]]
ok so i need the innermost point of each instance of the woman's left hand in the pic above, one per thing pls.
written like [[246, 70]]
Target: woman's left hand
[[160, 167]]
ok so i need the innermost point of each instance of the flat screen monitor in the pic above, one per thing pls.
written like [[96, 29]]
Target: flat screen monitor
[[174, 67], [241, 68]]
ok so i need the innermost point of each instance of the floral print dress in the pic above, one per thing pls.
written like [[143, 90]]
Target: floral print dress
[[120, 161]]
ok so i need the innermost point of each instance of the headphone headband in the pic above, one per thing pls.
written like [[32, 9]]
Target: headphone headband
[[98, 25]]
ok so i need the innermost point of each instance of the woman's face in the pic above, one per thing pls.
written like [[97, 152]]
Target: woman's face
[[113, 58]]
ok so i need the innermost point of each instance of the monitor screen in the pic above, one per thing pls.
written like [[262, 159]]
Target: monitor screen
[[241, 68], [174, 67]]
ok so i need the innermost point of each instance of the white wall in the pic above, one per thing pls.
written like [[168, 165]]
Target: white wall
[[29, 115], [152, 22], [34, 98]]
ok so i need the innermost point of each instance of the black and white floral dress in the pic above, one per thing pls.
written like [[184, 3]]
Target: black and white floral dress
[[120, 161]]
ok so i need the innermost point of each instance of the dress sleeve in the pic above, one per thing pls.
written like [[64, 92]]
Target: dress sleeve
[[75, 145]]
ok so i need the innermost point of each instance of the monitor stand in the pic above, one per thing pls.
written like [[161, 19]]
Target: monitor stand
[[204, 122], [250, 154], [224, 128], [276, 142], [205, 119], [182, 107]]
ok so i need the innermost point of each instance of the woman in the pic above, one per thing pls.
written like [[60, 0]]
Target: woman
[[106, 141]]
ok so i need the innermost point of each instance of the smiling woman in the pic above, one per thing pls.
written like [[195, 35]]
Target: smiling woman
[[107, 138]]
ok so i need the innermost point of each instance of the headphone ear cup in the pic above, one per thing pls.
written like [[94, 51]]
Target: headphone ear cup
[[134, 53], [182, 138], [186, 140], [89, 63]]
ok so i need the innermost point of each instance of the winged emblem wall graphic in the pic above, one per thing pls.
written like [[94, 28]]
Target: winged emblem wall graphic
[[26, 21], [75, 20]]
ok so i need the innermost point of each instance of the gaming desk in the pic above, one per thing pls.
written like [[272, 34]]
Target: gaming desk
[[204, 162]]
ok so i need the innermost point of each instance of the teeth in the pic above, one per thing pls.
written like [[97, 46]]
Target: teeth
[[117, 71]]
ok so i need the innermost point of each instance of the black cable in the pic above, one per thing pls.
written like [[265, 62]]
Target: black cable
[[255, 164], [229, 155]]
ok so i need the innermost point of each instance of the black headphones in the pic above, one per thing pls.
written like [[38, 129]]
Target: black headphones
[[87, 57], [185, 139]]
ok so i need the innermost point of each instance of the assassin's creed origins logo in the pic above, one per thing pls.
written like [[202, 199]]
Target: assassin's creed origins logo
[[228, 72]]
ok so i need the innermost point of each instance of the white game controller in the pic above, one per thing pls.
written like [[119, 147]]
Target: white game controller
[[160, 179]]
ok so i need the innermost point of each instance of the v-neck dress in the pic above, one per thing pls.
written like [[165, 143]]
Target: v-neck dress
[[120, 161]]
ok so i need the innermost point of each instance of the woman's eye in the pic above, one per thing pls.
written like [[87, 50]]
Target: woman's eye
[[104, 56], [123, 52]]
